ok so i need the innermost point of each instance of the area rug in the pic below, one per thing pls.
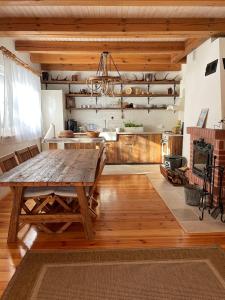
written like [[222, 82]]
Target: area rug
[[128, 169], [194, 273]]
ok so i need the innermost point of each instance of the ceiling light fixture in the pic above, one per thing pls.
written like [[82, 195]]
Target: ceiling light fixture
[[103, 83]]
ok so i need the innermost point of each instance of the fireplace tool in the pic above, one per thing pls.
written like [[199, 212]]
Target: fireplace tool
[[207, 191], [207, 197], [219, 209]]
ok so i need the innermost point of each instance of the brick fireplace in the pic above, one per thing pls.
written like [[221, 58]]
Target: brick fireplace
[[215, 137]]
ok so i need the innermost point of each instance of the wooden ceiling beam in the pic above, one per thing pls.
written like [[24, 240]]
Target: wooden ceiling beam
[[122, 67], [114, 27], [190, 45], [43, 58], [98, 47], [114, 3]]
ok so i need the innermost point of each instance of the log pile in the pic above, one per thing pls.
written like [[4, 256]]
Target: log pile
[[177, 177]]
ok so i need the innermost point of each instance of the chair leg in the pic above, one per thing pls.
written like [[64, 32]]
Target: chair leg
[[14, 219]]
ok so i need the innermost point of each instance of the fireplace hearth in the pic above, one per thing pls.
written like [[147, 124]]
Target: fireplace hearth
[[202, 157]]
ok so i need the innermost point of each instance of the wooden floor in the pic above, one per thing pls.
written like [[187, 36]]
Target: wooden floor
[[132, 215]]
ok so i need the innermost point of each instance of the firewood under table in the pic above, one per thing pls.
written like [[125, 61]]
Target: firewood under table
[[53, 168]]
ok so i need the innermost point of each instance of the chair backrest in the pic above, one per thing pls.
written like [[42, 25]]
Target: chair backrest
[[102, 160], [34, 150], [99, 169], [100, 164], [8, 162], [23, 155]]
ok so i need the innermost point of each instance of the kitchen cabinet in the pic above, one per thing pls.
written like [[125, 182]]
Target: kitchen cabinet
[[127, 147], [172, 144], [135, 148], [112, 152], [175, 145]]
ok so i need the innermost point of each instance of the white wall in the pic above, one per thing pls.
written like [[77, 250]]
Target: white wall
[[150, 121], [200, 91], [8, 148], [222, 71]]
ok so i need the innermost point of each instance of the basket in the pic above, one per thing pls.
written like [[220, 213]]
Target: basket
[[92, 134], [193, 194], [173, 161], [66, 134]]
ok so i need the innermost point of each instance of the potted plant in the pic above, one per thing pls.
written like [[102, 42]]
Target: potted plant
[[132, 127]]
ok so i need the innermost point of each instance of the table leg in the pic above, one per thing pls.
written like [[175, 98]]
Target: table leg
[[14, 219], [84, 209]]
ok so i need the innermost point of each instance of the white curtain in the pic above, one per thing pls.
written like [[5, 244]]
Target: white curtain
[[20, 102]]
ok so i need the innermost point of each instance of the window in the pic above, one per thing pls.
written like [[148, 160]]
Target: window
[[20, 101]]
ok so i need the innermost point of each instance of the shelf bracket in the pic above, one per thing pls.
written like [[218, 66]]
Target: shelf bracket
[[174, 100], [122, 113]]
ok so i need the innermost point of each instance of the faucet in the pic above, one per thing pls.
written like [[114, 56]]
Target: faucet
[[105, 128]]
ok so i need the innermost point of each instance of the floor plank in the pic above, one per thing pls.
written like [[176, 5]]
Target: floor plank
[[132, 215]]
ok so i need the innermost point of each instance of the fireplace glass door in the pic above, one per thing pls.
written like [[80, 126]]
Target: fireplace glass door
[[202, 157]]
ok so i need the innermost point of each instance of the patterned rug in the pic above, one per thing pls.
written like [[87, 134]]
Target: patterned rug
[[192, 273]]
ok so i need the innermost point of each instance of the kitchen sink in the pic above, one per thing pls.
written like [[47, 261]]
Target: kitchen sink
[[109, 135]]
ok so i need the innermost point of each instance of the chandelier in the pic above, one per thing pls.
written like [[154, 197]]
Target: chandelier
[[103, 82]]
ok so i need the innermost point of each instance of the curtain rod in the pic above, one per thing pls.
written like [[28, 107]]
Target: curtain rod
[[12, 56]]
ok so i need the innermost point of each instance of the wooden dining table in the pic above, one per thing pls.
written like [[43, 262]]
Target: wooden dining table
[[74, 168]]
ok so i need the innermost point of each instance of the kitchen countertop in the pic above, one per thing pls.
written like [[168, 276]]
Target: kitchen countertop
[[123, 133], [74, 140], [82, 138], [139, 133]]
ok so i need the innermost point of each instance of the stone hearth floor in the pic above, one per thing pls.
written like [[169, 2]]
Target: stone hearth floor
[[187, 216]]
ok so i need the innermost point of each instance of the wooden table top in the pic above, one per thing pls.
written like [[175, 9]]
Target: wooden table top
[[55, 168]]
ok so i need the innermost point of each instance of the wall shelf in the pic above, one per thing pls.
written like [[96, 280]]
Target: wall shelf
[[71, 106], [120, 108], [125, 95], [124, 82], [82, 95]]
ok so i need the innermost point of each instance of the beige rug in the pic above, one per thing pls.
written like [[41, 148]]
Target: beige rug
[[175, 274]]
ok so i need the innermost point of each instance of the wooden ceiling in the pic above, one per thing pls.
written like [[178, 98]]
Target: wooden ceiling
[[57, 36], [115, 2]]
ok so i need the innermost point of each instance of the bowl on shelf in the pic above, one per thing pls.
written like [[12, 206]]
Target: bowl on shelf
[[92, 134]]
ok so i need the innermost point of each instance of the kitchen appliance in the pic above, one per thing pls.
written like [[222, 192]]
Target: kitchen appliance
[[171, 144], [71, 124]]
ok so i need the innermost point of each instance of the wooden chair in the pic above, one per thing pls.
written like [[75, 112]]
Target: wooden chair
[[23, 155], [37, 194], [33, 150], [69, 193], [8, 162]]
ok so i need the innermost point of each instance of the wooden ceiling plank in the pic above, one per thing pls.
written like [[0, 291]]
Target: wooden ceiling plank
[[190, 45], [98, 47], [198, 3], [114, 27], [138, 58], [124, 67]]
